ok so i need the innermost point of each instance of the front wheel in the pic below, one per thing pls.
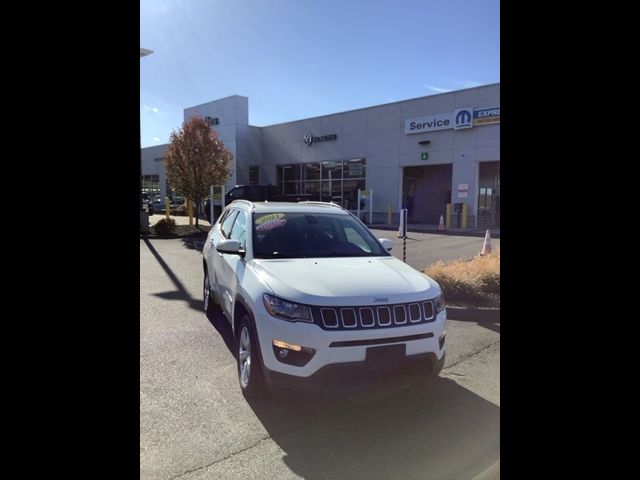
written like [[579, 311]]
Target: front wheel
[[249, 371], [206, 293]]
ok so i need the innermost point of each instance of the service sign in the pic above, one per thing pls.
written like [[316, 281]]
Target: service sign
[[431, 123]]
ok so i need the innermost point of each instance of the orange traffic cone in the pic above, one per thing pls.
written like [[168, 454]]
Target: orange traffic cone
[[441, 224], [486, 247]]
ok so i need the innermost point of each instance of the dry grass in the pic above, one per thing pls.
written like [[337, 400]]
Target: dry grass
[[476, 280]]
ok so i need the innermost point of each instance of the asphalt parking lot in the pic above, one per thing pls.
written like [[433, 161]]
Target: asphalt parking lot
[[423, 249], [195, 423]]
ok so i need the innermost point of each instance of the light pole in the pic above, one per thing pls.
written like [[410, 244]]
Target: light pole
[[144, 216]]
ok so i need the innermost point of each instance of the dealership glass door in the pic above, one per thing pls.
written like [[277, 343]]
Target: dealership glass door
[[332, 181]]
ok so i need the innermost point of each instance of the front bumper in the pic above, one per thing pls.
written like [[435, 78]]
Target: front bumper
[[354, 377], [344, 348]]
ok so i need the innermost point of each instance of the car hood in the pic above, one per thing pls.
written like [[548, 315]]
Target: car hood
[[342, 281]]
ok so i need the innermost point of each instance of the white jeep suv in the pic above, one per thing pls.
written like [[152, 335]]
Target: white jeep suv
[[315, 301]]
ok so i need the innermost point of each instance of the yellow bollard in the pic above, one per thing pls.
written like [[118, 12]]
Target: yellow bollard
[[167, 207], [190, 206], [464, 215], [389, 213], [448, 215]]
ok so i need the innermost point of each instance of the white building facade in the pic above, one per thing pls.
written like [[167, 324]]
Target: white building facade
[[420, 154]]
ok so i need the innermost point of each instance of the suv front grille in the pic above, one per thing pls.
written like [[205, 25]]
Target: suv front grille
[[374, 316]]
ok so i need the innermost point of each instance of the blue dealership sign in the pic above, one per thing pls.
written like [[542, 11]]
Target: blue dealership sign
[[463, 118], [485, 116]]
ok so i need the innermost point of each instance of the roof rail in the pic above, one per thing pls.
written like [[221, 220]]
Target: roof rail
[[312, 202], [245, 201]]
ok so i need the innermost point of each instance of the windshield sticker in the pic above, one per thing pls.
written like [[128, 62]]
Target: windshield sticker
[[269, 217], [269, 222]]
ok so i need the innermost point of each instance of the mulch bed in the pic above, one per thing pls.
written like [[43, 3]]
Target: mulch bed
[[182, 231]]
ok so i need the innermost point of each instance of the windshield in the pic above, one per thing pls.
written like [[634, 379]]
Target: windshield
[[303, 235]]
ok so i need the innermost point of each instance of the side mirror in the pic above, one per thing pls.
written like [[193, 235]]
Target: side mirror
[[230, 246], [386, 243]]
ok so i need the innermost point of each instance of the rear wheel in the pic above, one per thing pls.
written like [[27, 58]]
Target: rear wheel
[[249, 368]]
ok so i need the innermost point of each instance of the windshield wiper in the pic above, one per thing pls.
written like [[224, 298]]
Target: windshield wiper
[[278, 255]]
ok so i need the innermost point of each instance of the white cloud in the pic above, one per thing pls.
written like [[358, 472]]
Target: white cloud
[[466, 83], [152, 109], [437, 89], [156, 139]]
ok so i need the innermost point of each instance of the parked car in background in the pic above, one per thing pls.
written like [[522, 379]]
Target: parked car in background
[[177, 201], [145, 202], [254, 193], [156, 206], [261, 193]]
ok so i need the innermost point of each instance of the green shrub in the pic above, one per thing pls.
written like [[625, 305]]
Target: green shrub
[[165, 227]]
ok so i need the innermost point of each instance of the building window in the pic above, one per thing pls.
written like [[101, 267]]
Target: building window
[[335, 181], [151, 185], [254, 175]]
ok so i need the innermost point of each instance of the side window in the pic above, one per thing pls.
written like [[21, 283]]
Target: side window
[[224, 215], [239, 230], [228, 221]]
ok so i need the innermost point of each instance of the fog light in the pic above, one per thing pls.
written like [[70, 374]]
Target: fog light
[[289, 346], [292, 354]]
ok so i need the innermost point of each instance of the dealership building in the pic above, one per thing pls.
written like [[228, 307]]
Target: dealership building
[[431, 155]]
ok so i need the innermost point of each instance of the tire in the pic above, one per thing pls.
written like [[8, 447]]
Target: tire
[[436, 368], [209, 301], [249, 367]]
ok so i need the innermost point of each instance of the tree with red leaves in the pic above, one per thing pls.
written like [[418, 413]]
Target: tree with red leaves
[[196, 159]]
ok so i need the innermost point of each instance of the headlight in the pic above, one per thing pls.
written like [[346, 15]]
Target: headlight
[[286, 310], [440, 304]]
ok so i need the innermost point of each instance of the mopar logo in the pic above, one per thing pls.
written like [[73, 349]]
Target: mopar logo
[[380, 300], [462, 118], [308, 140]]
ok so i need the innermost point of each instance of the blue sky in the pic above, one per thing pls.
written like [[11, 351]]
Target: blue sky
[[300, 58]]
